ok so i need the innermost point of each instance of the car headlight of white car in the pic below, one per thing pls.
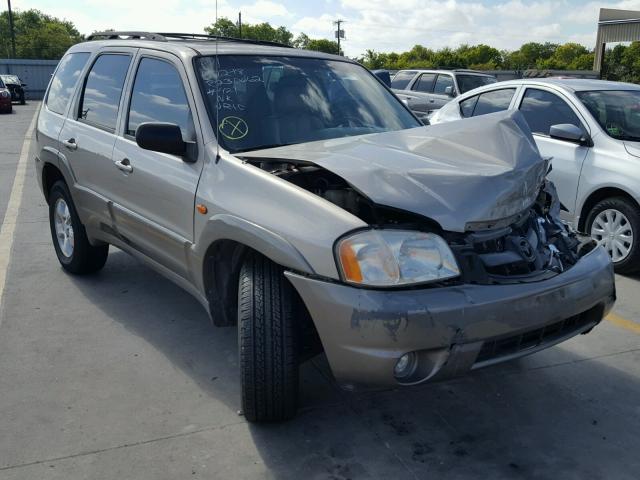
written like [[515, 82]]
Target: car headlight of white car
[[388, 258]]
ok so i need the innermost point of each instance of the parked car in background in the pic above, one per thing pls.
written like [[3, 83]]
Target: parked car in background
[[383, 75], [294, 195], [591, 129], [5, 99], [16, 87], [425, 91]]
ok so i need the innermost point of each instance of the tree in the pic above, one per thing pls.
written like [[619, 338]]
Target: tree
[[259, 31], [301, 41], [223, 28], [323, 45], [37, 35]]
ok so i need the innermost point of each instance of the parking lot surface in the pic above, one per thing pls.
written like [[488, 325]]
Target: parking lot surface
[[121, 376]]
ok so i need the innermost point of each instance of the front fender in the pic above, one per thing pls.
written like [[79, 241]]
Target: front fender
[[230, 227]]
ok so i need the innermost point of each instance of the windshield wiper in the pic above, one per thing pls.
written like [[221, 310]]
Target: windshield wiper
[[263, 147], [629, 138]]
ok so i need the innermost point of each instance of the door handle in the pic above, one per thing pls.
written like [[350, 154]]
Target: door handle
[[124, 165], [70, 144]]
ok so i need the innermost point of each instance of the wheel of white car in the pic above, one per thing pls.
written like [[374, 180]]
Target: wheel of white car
[[615, 224], [74, 252], [268, 342]]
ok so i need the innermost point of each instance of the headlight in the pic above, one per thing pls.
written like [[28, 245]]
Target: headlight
[[4, 94], [385, 258]]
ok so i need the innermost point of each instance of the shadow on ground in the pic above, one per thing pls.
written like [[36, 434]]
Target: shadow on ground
[[569, 419]]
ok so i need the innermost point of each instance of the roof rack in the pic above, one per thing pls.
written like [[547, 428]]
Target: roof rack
[[113, 35], [165, 37], [469, 70]]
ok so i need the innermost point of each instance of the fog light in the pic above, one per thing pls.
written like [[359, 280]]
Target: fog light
[[405, 365]]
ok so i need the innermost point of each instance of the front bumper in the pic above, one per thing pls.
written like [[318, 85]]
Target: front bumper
[[452, 329], [17, 94]]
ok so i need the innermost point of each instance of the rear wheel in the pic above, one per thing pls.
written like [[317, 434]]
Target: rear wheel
[[615, 224], [268, 342], [74, 252]]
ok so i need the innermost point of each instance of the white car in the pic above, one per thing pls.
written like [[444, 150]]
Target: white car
[[591, 129]]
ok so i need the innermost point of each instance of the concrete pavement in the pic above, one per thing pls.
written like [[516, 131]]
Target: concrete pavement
[[121, 376]]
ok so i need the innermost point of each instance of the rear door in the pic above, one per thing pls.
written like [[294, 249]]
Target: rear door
[[421, 99], [543, 108], [52, 115], [88, 134], [154, 197]]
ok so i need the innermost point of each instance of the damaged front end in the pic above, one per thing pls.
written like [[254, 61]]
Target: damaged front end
[[529, 246], [478, 267], [535, 245]]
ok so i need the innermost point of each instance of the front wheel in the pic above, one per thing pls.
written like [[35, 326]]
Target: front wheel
[[74, 252], [615, 224], [268, 342]]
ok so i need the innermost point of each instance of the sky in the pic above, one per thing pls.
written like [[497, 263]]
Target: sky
[[381, 25]]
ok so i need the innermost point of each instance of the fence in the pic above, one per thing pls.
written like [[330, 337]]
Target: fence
[[35, 73]]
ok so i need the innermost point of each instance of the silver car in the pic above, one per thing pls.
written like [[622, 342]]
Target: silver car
[[294, 195], [591, 130], [425, 91]]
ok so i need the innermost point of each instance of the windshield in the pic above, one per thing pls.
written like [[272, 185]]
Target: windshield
[[617, 112], [2, 84], [11, 79], [272, 101], [469, 82]]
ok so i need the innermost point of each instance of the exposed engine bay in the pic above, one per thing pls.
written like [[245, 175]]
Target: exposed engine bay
[[533, 246]]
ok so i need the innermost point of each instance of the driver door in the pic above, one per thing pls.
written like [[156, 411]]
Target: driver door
[[154, 199]]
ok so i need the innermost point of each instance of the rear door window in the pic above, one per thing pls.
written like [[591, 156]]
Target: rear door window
[[158, 96], [424, 83], [495, 101], [64, 81], [402, 79], [543, 109], [103, 89]]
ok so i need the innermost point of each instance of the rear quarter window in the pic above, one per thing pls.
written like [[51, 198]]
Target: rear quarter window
[[64, 81]]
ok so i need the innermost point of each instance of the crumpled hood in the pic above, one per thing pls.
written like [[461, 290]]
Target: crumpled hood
[[481, 169]]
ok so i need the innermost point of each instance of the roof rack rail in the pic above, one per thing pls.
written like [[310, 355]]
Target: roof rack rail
[[469, 70], [165, 37], [204, 36], [113, 35]]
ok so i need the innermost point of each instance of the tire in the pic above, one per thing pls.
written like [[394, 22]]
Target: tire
[[23, 100], [268, 342], [627, 215], [82, 257]]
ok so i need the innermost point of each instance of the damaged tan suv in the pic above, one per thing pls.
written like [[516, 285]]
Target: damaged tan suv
[[295, 196]]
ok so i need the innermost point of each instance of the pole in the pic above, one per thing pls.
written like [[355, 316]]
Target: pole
[[338, 22], [240, 24], [13, 33]]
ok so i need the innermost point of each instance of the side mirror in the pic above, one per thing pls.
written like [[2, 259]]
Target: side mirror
[[23, 84], [449, 91], [161, 137], [570, 133]]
